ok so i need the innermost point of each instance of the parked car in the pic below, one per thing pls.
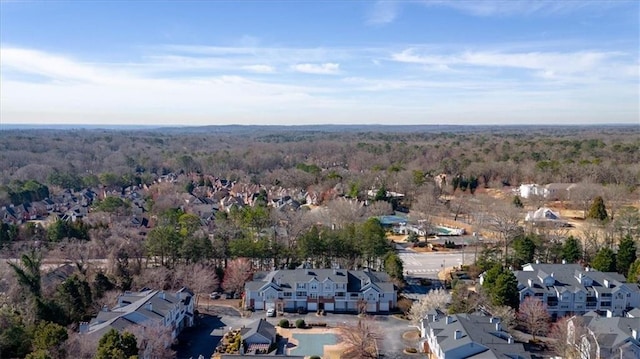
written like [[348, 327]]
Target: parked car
[[214, 295], [271, 312], [302, 310]]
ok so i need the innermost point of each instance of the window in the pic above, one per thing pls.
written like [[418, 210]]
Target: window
[[605, 304], [314, 286], [301, 285], [340, 294], [606, 295], [301, 294], [313, 295], [287, 294]]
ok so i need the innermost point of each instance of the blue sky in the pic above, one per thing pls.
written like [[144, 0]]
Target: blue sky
[[319, 62]]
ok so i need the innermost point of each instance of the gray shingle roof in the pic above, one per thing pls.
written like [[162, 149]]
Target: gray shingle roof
[[261, 327], [475, 331], [611, 332], [355, 280], [566, 278], [137, 308]]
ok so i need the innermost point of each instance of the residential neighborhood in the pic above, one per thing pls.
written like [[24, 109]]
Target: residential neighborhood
[[193, 257]]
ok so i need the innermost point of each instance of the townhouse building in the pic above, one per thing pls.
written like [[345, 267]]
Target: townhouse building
[[143, 309], [597, 337], [331, 290], [569, 289], [462, 336]]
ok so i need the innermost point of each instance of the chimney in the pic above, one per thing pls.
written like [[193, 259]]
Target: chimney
[[586, 269], [537, 261], [635, 334], [564, 261], [457, 334], [510, 340], [84, 327], [498, 326], [149, 307], [449, 319], [493, 320], [162, 295]]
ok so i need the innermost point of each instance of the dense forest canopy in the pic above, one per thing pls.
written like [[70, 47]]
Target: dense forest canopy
[[291, 156]]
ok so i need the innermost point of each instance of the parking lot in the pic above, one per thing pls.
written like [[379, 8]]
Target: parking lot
[[216, 319]]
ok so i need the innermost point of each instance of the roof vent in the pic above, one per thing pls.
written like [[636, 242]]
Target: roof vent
[[510, 340], [449, 319], [457, 334]]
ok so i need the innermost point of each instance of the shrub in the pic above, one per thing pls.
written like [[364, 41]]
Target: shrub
[[300, 324], [284, 323], [404, 304], [315, 357]]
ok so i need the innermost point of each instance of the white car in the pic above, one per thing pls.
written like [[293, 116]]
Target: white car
[[271, 312]]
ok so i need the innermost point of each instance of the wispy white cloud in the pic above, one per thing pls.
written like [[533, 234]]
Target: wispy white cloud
[[54, 67], [261, 69], [546, 63], [328, 68], [383, 12], [518, 7], [199, 85]]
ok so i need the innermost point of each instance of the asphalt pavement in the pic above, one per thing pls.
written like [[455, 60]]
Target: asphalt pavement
[[204, 337]]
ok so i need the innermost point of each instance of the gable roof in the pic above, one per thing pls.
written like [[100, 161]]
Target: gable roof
[[355, 280], [478, 332], [611, 333], [261, 327], [139, 308], [567, 277]]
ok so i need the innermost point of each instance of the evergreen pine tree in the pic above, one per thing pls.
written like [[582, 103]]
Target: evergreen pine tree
[[626, 254], [605, 260], [571, 250], [598, 211]]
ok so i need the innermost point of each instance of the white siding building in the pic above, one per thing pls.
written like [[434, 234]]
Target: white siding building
[[145, 308], [465, 336], [331, 290], [569, 289]]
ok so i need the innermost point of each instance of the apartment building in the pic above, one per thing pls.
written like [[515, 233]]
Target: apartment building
[[569, 289], [144, 308], [605, 337], [331, 290], [462, 336]]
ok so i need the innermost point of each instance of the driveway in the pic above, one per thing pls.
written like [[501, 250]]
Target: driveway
[[204, 337], [428, 264], [390, 328]]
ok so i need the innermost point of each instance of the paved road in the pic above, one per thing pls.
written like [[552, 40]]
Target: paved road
[[202, 339], [428, 264]]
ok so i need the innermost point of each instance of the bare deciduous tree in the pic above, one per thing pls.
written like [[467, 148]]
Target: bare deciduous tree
[[506, 314], [238, 271], [201, 279], [81, 346], [360, 340], [154, 341], [435, 299], [534, 316], [504, 219], [567, 334]]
